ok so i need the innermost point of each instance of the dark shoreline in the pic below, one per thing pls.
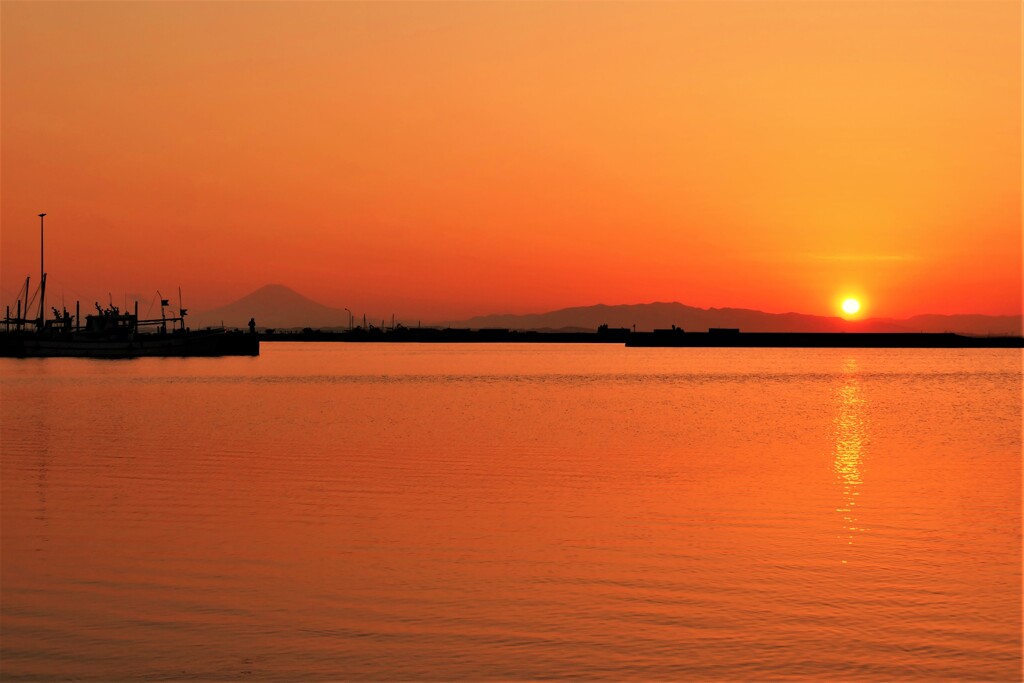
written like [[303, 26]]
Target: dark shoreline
[[660, 338], [825, 340]]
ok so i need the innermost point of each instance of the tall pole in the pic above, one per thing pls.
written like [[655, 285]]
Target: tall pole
[[42, 276], [27, 280], [41, 269]]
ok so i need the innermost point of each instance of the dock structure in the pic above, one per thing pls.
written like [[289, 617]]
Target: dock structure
[[733, 338], [673, 337]]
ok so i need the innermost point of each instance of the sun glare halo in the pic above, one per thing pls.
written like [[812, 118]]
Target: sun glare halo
[[850, 306]]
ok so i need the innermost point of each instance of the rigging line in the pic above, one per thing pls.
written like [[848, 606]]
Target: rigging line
[[58, 282], [152, 301], [32, 301], [21, 291]]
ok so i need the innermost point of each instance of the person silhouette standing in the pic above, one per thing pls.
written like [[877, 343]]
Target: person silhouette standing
[[252, 325]]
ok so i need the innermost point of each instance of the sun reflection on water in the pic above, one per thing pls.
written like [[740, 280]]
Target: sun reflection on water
[[851, 434]]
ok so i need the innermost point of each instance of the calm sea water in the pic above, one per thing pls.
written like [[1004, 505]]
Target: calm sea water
[[420, 512]]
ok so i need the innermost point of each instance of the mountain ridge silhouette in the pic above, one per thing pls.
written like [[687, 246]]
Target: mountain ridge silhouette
[[662, 314], [279, 306]]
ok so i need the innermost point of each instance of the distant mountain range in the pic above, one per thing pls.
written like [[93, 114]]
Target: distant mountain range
[[280, 307], [664, 315]]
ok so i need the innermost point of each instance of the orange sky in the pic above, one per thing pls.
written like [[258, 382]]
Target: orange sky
[[439, 160]]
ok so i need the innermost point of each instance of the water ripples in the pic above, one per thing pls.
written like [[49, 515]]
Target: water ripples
[[357, 513]]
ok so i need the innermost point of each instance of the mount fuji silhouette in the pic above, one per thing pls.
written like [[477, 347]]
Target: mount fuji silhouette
[[274, 306]]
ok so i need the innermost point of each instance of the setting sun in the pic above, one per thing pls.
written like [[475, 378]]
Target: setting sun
[[851, 306]]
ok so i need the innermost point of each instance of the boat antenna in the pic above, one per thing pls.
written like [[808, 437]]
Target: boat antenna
[[181, 311], [41, 225], [28, 278], [42, 276]]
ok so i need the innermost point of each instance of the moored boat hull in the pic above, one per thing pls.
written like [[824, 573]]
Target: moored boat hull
[[178, 344]]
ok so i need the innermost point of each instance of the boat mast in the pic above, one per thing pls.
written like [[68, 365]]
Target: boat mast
[[42, 277], [23, 322], [181, 311]]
